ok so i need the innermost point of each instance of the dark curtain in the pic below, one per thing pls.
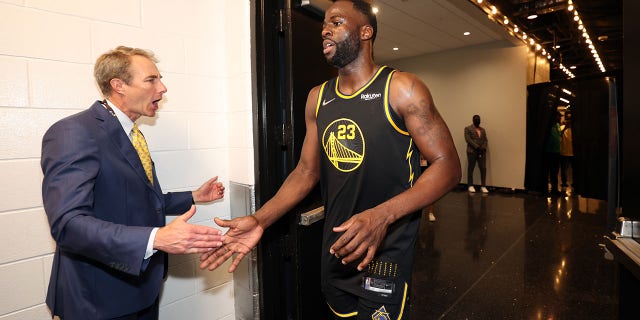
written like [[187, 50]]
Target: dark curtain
[[589, 109], [541, 108]]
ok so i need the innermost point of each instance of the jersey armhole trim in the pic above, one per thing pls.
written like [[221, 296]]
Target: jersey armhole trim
[[391, 117], [320, 97]]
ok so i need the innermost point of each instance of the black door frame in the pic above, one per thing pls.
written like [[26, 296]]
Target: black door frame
[[287, 252]]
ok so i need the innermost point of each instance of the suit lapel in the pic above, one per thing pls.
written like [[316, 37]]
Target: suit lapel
[[113, 129]]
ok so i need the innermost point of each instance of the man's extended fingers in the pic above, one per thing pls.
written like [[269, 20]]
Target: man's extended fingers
[[340, 244], [204, 230], [344, 226], [236, 262], [365, 262], [216, 258]]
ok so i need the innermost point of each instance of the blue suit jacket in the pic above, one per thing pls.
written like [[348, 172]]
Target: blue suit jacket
[[101, 210]]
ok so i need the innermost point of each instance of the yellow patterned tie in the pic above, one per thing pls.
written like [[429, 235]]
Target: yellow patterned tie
[[143, 151]]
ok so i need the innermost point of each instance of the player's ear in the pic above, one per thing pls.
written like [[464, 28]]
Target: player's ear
[[366, 32]]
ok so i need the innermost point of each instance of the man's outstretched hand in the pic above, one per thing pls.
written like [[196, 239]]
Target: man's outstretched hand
[[242, 236], [181, 237]]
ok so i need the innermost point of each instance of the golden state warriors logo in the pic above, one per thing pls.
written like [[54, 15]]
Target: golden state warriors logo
[[380, 314], [343, 144]]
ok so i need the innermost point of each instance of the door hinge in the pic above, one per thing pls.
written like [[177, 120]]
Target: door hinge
[[283, 20], [284, 135]]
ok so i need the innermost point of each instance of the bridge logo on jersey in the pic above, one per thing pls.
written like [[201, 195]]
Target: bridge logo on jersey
[[343, 144], [380, 314]]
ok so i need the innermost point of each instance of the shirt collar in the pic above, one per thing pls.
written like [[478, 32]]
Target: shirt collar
[[124, 120]]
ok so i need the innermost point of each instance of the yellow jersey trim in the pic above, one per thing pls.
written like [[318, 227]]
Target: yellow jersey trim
[[404, 299], [345, 315], [320, 98], [387, 107], [361, 89]]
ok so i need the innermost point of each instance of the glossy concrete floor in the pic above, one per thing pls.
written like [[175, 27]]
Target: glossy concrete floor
[[513, 256]]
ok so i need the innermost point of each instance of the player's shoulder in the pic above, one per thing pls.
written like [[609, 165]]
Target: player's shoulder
[[404, 80]]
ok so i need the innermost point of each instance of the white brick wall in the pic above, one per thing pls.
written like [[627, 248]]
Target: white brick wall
[[203, 129]]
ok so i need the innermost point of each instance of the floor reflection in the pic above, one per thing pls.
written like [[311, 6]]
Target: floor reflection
[[513, 256]]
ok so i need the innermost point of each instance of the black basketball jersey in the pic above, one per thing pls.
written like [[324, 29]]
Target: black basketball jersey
[[367, 157]]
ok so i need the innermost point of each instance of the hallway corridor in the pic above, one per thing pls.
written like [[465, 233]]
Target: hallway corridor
[[513, 256]]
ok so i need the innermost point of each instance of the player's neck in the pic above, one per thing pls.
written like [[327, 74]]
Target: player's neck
[[356, 74]]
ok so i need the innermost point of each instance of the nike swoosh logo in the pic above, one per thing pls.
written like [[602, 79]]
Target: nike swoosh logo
[[325, 102]]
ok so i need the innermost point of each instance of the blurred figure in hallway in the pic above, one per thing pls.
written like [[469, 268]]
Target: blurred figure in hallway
[[476, 138], [566, 154], [552, 155]]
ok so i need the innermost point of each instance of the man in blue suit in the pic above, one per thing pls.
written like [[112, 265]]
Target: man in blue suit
[[106, 213]]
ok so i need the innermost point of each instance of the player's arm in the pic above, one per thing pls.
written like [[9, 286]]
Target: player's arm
[[303, 177], [412, 101], [244, 233]]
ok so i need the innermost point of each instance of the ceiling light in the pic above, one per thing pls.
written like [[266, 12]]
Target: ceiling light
[[572, 67], [492, 14], [564, 100], [466, 33], [396, 48], [566, 91], [375, 10]]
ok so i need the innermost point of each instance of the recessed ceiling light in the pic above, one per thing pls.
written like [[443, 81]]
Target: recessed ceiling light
[[572, 67], [396, 48], [375, 10], [466, 33], [533, 16]]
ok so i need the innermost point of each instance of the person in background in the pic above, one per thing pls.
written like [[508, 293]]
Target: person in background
[[104, 202], [566, 152], [476, 138], [365, 131], [552, 155]]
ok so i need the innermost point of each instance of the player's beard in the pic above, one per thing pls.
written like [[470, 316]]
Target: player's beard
[[346, 51]]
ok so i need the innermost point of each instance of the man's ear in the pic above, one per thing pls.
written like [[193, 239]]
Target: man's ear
[[117, 85], [366, 32]]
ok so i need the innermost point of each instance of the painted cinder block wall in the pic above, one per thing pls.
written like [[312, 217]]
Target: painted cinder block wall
[[203, 129]]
